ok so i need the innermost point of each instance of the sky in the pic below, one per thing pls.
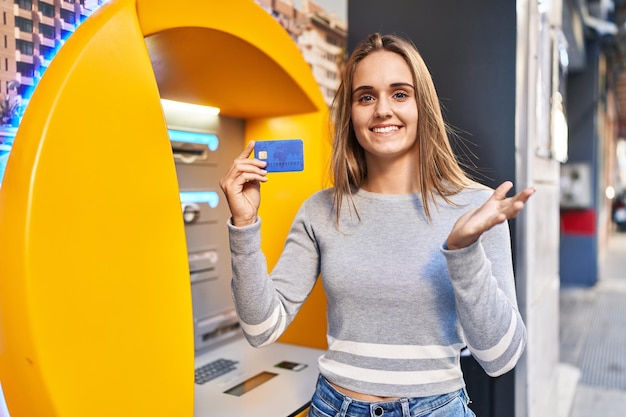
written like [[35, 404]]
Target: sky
[[336, 7]]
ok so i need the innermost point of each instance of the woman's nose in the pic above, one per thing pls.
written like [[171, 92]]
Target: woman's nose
[[383, 108]]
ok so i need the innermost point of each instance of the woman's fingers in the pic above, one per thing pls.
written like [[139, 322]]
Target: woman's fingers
[[247, 170], [502, 190], [244, 170], [518, 201], [510, 206], [525, 194], [247, 151]]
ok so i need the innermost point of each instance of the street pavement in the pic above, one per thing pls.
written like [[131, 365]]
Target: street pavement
[[593, 339]]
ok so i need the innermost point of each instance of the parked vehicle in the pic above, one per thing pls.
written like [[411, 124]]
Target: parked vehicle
[[619, 211]]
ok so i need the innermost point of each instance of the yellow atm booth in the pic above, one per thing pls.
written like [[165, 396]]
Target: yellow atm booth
[[96, 313]]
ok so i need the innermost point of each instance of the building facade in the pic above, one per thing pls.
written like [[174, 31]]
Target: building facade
[[32, 31], [320, 36], [323, 44]]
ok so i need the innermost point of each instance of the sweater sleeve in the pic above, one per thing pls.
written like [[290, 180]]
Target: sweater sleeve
[[266, 303], [484, 288]]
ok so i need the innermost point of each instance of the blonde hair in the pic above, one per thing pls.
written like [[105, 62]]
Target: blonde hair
[[440, 173]]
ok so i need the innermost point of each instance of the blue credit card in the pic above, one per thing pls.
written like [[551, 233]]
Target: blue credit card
[[281, 155]]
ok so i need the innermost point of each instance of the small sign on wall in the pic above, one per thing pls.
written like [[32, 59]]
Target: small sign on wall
[[576, 190]]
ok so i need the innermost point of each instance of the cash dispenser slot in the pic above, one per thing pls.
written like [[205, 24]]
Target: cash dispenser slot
[[216, 329], [201, 276], [191, 147], [203, 265], [189, 153], [203, 260]]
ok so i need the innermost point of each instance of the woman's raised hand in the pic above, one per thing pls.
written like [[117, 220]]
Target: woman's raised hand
[[242, 187], [497, 209]]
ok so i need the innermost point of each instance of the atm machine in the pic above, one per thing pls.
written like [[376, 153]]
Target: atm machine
[[114, 286], [231, 377], [200, 161]]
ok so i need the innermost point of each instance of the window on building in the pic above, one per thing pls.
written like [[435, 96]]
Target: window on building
[[47, 31], [68, 16], [25, 4], [26, 69], [6, 64], [46, 9], [24, 47], [25, 25]]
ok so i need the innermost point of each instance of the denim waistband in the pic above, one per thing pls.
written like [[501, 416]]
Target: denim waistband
[[402, 407]]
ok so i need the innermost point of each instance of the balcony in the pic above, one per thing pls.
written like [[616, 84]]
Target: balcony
[[45, 19], [18, 12], [68, 6], [46, 41], [29, 81], [20, 57], [27, 36], [67, 26]]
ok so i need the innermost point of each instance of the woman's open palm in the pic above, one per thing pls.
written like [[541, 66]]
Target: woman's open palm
[[495, 210]]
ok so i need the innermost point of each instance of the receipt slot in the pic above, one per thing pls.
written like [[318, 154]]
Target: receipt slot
[[95, 304]]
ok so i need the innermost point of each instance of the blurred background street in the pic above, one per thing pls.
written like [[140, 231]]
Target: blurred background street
[[593, 338]]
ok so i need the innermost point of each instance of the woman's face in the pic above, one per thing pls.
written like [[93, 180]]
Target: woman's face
[[384, 107]]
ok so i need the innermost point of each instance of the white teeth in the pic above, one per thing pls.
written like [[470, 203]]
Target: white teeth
[[385, 129]]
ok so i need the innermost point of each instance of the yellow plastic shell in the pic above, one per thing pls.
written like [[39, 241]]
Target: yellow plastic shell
[[95, 302]]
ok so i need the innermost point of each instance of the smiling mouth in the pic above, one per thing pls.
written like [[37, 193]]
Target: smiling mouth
[[385, 129]]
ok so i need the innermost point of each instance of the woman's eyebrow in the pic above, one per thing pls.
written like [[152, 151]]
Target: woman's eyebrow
[[393, 85], [403, 85], [361, 88]]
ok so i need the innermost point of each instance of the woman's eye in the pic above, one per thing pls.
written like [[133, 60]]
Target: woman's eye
[[366, 98], [400, 95]]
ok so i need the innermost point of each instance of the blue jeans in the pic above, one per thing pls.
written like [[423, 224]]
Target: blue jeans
[[328, 402]]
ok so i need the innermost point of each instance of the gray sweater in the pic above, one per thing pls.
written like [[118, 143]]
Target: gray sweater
[[400, 306]]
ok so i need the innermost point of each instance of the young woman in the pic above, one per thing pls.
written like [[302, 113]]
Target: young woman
[[415, 257]]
